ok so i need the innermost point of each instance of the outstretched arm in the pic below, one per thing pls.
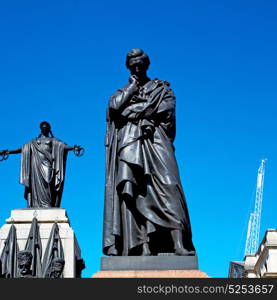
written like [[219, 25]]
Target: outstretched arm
[[69, 148], [5, 152]]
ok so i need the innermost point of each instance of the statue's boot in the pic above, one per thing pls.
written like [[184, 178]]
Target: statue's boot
[[177, 236], [112, 251]]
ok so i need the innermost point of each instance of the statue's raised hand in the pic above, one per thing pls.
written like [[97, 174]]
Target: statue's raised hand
[[4, 154], [78, 150], [134, 82]]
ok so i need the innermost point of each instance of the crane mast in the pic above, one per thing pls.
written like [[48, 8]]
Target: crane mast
[[254, 224]]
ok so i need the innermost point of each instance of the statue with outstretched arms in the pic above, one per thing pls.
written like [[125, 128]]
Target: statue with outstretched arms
[[43, 162]]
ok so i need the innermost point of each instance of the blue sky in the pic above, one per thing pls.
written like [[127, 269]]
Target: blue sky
[[61, 60]]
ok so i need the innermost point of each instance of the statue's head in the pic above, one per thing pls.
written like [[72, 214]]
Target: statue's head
[[45, 128], [24, 261], [137, 61], [56, 268]]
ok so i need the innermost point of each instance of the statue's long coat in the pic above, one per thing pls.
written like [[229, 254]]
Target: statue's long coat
[[142, 179]]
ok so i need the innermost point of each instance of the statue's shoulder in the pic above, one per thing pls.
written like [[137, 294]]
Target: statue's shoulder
[[166, 85], [169, 94], [54, 139], [161, 82], [32, 141], [57, 141], [27, 146], [156, 83]]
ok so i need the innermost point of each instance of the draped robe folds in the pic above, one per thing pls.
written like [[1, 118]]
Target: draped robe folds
[[143, 193], [42, 172], [34, 245], [54, 249], [9, 255]]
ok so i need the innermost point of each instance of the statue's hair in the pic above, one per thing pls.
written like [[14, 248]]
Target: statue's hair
[[24, 254], [44, 123], [137, 53], [48, 125]]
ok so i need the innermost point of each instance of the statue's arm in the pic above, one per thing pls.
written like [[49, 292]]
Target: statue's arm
[[17, 151], [4, 154], [122, 97], [167, 105], [78, 150], [165, 116], [69, 148]]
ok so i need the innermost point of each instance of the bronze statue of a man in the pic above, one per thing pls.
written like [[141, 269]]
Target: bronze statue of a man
[[43, 167], [145, 208]]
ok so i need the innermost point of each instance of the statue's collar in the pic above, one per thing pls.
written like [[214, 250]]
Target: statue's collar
[[151, 85]]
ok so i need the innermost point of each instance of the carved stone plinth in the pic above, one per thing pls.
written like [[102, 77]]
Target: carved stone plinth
[[22, 219]]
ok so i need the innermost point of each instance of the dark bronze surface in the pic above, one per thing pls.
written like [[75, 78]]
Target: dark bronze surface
[[33, 245], [24, 264], [54, 250], [145, 207], [9, 255], [43, 167]]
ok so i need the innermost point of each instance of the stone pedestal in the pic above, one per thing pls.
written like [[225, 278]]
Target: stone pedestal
[[160, 262], [161, 266], [22, 219]]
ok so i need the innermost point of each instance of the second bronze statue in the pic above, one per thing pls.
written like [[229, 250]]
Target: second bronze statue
[[43, 167]]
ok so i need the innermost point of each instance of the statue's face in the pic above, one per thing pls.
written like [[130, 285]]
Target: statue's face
[[45, 129], [24, 266], [137, 67]]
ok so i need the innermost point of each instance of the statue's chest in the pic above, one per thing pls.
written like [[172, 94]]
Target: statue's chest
[[144, 93], [45, 143]]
